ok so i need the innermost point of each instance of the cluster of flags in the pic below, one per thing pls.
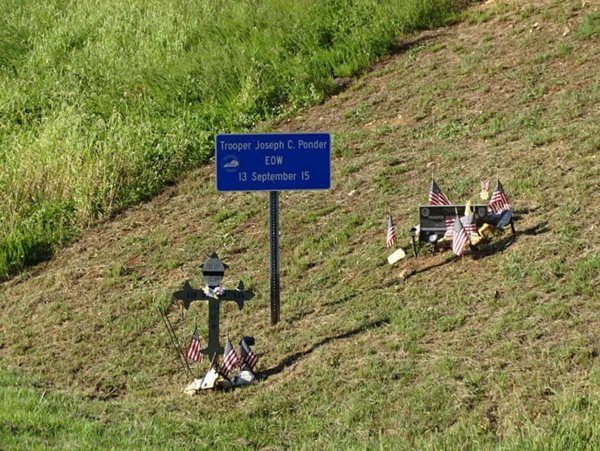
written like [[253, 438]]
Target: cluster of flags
[[437, 197], [247, 357], [454, 226], [459, 230]]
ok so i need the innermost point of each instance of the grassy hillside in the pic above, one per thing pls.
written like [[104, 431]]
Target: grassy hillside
[[103, 103], [496, 350]]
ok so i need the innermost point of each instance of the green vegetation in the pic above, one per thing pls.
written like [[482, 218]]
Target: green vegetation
[[590, 27], [103, 103], [496, 350], [36, 419]]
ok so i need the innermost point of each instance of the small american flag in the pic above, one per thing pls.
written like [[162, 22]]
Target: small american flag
[[459, 237], [499, 201], [391, 233], [193, 351], [230, 358], [436, 197], [468, 221], [248, 355], [449, 227]]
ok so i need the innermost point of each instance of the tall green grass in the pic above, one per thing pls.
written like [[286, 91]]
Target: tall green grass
[[104, 102]]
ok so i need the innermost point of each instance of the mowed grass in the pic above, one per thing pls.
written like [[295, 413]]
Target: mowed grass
[[496, 350], [36, 419], [103, 103]]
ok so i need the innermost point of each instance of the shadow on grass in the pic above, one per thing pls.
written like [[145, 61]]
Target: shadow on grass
[[34, 239], [341, 84], [22, 251], [537, 229], [485, 250], [292, 359], [520, 212], [501, 244], [405, 46], [429, 267]]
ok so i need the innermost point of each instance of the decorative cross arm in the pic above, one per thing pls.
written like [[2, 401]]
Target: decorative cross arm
[[189, 295], [239, 295]]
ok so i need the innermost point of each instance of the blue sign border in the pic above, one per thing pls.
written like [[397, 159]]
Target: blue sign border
[[273, 161]]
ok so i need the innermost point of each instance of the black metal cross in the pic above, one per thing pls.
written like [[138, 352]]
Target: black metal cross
[[213, 271]]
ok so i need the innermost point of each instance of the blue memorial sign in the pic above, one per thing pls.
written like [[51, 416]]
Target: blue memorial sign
[[273, 161]]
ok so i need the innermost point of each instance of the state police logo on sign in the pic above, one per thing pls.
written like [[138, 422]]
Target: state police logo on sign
[[231, 163]]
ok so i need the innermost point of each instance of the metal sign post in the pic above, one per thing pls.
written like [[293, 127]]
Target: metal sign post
[[273, 162], [274, 251]]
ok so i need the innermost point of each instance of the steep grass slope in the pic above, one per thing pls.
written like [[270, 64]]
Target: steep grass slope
[[103, 103], [496, 349]]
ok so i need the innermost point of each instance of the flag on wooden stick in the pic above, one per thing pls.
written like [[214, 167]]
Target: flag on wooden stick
[[468, 220], [230, 358], [449, 233], [248, 356], [459, 237], [391, 233], [499, 201], [193, 351], [436, 197]]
